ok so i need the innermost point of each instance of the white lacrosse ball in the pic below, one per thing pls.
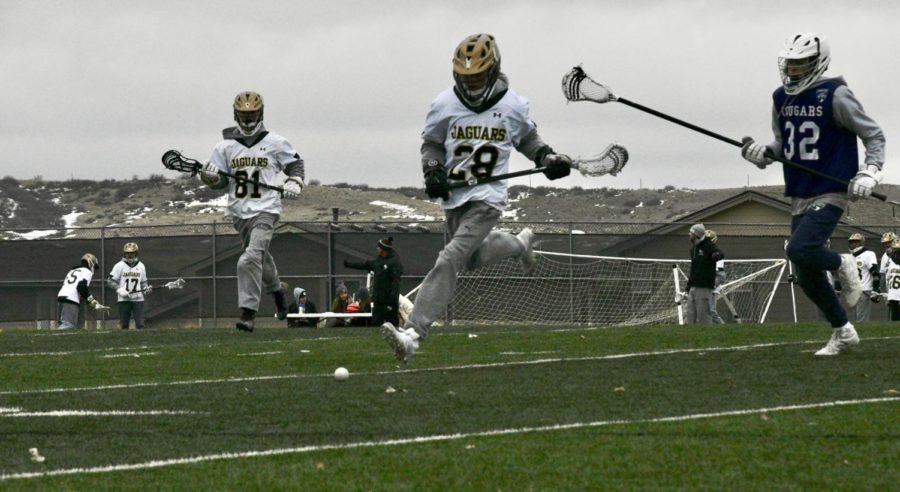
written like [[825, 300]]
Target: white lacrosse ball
[[341, 374]]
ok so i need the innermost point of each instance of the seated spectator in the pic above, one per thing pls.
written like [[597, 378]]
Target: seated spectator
[[340, 304], [361, 304], [302, 305]]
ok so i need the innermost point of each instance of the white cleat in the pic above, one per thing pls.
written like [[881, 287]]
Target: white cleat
[[403, 342], [848, 273], [842, 340], [528, 259]]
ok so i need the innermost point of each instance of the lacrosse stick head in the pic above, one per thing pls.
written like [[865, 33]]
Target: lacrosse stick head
[[610, 161], [579, 86], [173, 160], [175, 284]]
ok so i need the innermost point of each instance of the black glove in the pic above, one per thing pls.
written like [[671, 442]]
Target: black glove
[[436, 185], [556, 166], [875, 298]]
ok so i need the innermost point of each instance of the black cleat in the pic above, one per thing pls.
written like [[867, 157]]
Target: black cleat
[[244, 325]]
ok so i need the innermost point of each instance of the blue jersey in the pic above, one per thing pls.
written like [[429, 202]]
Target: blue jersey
[[810, 136]]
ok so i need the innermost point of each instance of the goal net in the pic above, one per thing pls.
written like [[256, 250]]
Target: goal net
[[603, 290]]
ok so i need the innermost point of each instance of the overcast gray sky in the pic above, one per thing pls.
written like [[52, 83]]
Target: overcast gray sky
[[100, 89]]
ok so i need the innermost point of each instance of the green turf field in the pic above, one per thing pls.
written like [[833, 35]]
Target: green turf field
[[479, 408]]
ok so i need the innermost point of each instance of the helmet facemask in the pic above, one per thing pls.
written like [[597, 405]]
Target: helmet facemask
[[248, 122]]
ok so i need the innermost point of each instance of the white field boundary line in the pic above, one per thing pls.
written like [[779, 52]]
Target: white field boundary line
[[433, 438], [276, 377]]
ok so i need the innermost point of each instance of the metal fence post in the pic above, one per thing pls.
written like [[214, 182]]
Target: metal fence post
[[331, 285], [571, 272], [215, 304], [102, 270]]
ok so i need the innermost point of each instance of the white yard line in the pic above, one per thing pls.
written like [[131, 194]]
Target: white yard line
[[424, 369], [128, 354], [433, 438], [98, 413], [163, 346], [250, 354]]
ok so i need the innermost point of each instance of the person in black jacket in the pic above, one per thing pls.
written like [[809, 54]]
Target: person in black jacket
[[387, 271], [704, 256], [303, 305]]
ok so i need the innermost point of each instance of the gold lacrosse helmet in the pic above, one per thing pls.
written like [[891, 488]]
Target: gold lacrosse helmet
[[90, 261], [130, 253], [857, 237], [476, 67], [711, 234], [887, 238], [895, 244], [248, 112]]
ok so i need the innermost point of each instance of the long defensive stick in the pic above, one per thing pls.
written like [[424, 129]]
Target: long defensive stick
[[175, 161], [579, 86]]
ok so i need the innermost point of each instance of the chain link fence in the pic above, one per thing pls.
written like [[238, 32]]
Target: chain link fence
[[310, 255]]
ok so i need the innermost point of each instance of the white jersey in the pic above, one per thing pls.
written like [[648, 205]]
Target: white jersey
[[885, 263], [892, 280], [132, 278], [69, 288], [261, 163], [865, 260], [477, 144]]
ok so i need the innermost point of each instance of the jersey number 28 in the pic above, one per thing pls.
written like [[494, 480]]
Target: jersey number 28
[[483, 159]]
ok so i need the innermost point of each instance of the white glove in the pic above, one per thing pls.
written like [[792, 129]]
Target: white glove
[[680, 297], [122, 291], [292, 187], [210, 174], [864, 182], [148, 289], [755, 153]]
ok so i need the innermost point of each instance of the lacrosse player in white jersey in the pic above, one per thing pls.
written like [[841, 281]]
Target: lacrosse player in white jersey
[[471, 130], [75, 288], [886, 239], [869, 276], [129, 278], [255, 155], [892, 280]]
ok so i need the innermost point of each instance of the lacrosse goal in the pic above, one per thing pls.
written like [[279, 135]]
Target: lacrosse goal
[[601, 290]]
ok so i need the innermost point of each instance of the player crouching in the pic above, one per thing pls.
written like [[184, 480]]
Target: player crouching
[[74, 289]]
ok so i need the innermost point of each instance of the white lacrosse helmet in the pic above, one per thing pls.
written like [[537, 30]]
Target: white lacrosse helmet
[[802, 61]]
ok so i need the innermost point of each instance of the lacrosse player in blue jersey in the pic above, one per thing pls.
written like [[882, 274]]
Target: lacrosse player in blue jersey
[[471, 130], [257, 155], [816, 122]]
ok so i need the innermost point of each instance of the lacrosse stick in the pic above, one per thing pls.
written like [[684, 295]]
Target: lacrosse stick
[[175, 284], [175, 161], [579, 86], [610, 161]]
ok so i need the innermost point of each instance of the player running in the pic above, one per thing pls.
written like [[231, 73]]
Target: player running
[[255, 155], [471, 130], [816, 122]]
